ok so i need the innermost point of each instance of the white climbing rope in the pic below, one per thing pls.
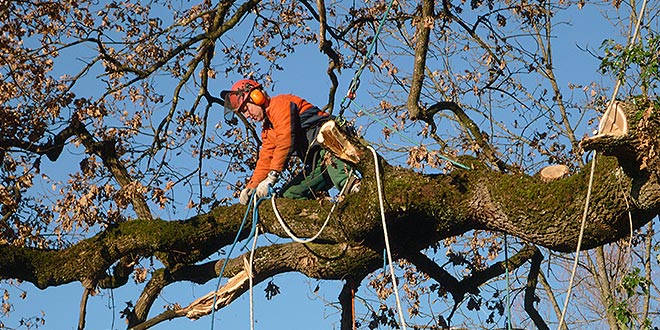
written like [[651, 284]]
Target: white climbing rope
[[288, 231], [591, 176], [579, 244], [387, 239], [251, 277]]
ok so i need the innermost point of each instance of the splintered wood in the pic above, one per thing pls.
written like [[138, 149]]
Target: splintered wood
[[331, 138], [225, 295]]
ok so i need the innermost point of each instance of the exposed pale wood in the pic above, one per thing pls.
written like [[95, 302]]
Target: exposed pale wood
[[614, 134], [553, 172], [331, 138], [614, 121], [236, 286], [225, 296]]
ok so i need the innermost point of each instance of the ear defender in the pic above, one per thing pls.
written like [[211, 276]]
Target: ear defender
[[257, 96]]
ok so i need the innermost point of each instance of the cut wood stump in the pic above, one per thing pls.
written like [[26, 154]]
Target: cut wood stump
[[553, 172], [334, 140], [614, 121]]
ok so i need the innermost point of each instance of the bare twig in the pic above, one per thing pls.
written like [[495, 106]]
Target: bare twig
[[551, 296]]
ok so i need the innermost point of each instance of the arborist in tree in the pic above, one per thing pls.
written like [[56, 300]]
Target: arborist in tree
[[290, 125]]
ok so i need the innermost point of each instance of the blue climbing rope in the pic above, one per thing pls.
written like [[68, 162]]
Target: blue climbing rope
[[255, 219], [355, 82]]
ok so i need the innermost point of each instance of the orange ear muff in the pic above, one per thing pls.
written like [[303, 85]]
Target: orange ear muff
[[257, 97]]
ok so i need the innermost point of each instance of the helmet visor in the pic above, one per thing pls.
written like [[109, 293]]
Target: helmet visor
[[234, 102]]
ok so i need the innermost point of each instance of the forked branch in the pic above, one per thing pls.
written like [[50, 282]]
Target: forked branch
[[459, 288], [470, 126]]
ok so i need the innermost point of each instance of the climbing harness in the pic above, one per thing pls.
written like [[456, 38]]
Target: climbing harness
[[591, 177], [355, 82], [384, 224]]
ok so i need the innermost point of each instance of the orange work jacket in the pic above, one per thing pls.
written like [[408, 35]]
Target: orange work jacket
[[288, 118]]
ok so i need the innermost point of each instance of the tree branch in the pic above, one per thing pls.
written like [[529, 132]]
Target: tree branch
[[421, 48], [325, 46], [530, 296], [163, 277], [469, 284], [473, 129], [439, 274], [83, 308], [52, 149], [108, 153], [347, 302], [311, 259]]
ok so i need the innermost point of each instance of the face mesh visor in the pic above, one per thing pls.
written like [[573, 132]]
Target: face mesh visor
[[233, 104]]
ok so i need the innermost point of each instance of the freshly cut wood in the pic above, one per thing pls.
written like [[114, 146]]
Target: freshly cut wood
[[333, 139], [553, 172], [614, 121]]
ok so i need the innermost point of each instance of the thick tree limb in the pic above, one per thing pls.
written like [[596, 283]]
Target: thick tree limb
[[327, 261], [174, 241], [614, 139], [421, 210]]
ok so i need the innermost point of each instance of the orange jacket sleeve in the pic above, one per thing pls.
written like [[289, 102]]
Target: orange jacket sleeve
[[277, 137], [263, 161]]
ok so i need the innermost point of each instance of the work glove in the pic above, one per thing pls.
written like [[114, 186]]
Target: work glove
[[246, 193], [263, 189]]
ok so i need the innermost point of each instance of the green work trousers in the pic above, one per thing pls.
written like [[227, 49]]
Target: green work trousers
[[322, 177]]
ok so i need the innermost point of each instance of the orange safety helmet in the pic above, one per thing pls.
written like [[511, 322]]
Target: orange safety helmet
[[241, 92]]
